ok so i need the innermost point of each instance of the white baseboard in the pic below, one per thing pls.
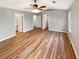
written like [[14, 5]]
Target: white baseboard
[[58, 30], [28, 30], [7, 37], [73, 46]]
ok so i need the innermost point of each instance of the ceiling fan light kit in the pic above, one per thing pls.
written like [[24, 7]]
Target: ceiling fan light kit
[[35, 11]]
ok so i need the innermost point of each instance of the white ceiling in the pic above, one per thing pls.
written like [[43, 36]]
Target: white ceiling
[[21, 4]]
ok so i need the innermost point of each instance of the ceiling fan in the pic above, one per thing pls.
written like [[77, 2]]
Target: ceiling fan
[[36, 6]]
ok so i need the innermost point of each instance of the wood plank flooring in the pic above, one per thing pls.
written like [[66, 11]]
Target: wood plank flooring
[[37, 44]]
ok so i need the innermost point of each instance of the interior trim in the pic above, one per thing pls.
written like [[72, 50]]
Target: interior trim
[[73, 46], [7, 37]]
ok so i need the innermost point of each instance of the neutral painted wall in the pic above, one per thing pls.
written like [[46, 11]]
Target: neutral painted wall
[[28, 22], [74, 34], [8, 23], [58, 20]]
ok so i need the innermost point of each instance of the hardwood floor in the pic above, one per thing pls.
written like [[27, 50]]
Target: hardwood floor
[[37, 44]]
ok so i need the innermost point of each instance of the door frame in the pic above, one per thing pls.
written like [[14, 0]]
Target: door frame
[[19, 14]]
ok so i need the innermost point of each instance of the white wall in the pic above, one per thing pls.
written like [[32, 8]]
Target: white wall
[[7, 23], [58, 20], [27, 22], [74, 34]]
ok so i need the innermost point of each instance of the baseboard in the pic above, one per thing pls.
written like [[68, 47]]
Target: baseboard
[[8, 37], [44, 28], [28, 30], [73, 46], [58, 31]]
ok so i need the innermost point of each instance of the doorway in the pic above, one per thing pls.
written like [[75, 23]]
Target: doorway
[[40, 21], [37, 21], [44, 21], [19, 23]]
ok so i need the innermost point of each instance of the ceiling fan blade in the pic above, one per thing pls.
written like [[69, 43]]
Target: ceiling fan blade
[[43, 7], [40, 9], [31, 4]]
